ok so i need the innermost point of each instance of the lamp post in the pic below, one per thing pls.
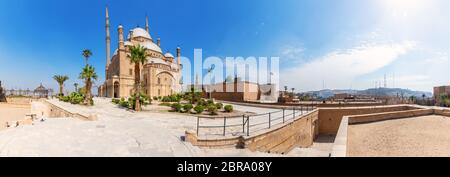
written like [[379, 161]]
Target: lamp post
[[210, 70]]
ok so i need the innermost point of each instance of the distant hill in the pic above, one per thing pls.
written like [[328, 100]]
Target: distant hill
[[373, 92]]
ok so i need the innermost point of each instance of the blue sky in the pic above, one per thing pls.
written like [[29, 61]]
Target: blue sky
[[344, 43]]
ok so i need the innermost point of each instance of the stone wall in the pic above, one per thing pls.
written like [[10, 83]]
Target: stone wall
[[300, 132], [340, 143], [330, 118], [49, 110]]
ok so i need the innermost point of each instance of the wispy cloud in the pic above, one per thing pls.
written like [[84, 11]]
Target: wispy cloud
[[338, 68]]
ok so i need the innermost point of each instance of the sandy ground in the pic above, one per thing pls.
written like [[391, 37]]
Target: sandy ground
[[11, 112], [412, 137]]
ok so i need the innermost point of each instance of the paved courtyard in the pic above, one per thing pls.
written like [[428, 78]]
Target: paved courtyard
[[118, 132], [424, 136]]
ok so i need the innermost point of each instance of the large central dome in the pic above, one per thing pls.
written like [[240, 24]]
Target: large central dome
[[139, 32]]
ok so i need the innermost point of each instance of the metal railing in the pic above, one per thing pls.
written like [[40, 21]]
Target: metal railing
[[244, 125]]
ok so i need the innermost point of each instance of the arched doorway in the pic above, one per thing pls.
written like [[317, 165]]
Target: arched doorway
[[116, 89]]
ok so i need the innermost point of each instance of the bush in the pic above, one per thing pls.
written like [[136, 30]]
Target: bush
[[143, 100], [155, 98], [188, 107], [115, 101], [212, 109], [76, 98], [176, 107], [202, 102], [210, 102], [172, 98], [219, 106], [73, 98], [228, 108], [124, 103], [199, 109]]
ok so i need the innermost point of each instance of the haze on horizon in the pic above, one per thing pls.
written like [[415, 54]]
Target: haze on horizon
[[346, 44]]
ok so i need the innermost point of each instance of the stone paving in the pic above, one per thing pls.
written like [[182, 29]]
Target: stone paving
[[117, 133]]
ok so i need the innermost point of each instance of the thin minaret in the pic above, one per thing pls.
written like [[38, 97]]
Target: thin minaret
[[108, 41], [146, 24]]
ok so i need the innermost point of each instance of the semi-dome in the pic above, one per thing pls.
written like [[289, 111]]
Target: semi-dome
[[151, 46], [139, 32], [169, 55]]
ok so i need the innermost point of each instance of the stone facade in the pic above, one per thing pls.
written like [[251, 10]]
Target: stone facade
[[440, 91], [160, 75], [240, 91]]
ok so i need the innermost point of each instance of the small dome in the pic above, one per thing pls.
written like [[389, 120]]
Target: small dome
[[168, 55], [139, 32]]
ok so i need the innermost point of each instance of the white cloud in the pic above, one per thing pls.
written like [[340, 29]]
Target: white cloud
[[291, 52], [339, 68]]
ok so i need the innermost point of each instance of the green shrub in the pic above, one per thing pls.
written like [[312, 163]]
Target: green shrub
[[199, 109], [229, 108], [166, 99], [124, 104], [143, 100], [219, 106], [76, 98], [65, 98], [210, 102], [212, 109], [202, 102], [176, 107], [188, 107], [115, 101], [155, 98]]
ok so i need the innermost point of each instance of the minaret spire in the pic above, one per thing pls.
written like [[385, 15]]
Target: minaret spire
[[108, 42], [146, 24]]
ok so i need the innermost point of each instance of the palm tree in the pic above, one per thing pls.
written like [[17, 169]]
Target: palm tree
[[138, 56], [86, 54], [61, 79], [88, 74], [76, 87]]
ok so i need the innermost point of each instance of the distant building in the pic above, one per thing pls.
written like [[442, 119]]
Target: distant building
[[439, 92], [240, 91], [343, 96], [40, 92]]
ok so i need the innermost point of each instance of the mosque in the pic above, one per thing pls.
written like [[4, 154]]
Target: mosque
[[160, 76]]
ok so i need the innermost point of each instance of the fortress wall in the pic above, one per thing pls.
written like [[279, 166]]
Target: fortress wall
[[330, 118], [49, 110], [340, 144]]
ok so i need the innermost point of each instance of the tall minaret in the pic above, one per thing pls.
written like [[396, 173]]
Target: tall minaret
[[108, 42], [146, 24], [178, 55]]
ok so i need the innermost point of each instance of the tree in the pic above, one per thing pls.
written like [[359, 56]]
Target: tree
[[286, 89], [293, 95], [86, 54], [138, 56], [76, 87], [88, 74], [61, 79]]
